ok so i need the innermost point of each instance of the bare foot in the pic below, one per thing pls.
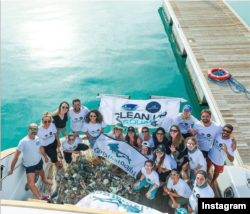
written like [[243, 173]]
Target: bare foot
[[48, 181]]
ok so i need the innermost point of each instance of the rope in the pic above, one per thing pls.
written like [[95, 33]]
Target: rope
[[235, 85]]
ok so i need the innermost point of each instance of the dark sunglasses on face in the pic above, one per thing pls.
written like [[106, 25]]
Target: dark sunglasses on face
[[118, 129], [65, 107], [34, 129], [144, 131], [159, 152], [46, 121], [173, 174], [92, 116], [173, 130], [77, 105], [159, 134], [71, 139], [144, 149], [224, 130]]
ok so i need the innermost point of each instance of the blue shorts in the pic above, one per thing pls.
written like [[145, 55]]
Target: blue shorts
[[32, 169]]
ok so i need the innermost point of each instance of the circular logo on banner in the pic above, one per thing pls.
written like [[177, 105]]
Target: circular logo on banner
[[153, 107]]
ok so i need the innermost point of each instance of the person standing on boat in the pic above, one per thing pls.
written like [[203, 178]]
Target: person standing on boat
[[117, 132], [60, 118], [72, 145], [160, 139], [178, 149], [148, 177], [48, 137], [132, 138], [93, 126], [146, 150], [201, 190], [206, 131], [185, 120], [32, 159], [146, 136], [77, 116], [163, 163], [177, 189], [220, 151]]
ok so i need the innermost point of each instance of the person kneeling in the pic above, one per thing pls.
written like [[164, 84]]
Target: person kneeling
[[149, 176], [72, 145], [177, 189]]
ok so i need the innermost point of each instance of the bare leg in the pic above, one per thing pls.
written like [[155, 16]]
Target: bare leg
[[31, 183], [44, 179], [216, 175], [208, 168], [190, 210]]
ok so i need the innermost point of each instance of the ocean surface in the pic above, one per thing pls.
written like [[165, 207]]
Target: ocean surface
[[53, 51]]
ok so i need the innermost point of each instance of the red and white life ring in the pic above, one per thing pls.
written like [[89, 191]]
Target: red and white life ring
[[211, 75]]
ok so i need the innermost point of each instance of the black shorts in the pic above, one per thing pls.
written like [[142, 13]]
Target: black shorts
[[32, 169]]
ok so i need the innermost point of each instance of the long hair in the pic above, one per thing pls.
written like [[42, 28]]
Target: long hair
[[194, 140], [135, 139], [99, 117], [58, 111], [46, 114], [161, 160], [178, 139], [121, 137], [149, 150]]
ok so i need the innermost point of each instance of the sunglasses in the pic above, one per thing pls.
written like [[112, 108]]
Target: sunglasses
[[191, 144], [159, 152], [224, 130], [77, 105], [46, 121], [92, 116], [34, 129], [144, 149], [144, 131], [173, 174], [63, 107], [147, 166], [160, 134], [118, 129], [71, 139], [173, 130]]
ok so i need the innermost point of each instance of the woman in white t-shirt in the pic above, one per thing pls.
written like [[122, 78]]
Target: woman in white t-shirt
[[49, 140], [93, 126], [72, 145], [201, 190], [146, 150], [196, 159], [146, 136], [117, 132], [148, 177]]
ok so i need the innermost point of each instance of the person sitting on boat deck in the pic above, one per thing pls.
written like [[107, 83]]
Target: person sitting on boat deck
[[60, 118], [117, 132], [132, 138], [196, 159], [148, 177], [146, 150], [32, 159], [178, 149], [93, 126], [163, 162], [177, 189], [220, 151], [146, 136], [206, 131], [185, 120], [72, 145], [48, 137], [201, 190], [160, 139], [77, 116]]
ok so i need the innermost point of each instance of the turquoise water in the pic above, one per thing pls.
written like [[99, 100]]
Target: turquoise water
[[55, 51], [242, 8]]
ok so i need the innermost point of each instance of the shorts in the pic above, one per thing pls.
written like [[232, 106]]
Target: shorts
[[62, 130], [32, 169], [205, 153], [217, 169]]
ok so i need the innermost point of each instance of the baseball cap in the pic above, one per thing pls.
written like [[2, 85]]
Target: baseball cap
[[187, 107], [119, 126], [160, 148], [131, 129], [145, 143]]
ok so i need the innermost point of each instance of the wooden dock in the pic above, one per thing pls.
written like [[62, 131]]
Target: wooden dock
[[218, 38]]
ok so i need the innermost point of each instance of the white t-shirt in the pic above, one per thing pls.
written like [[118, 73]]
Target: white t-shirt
[[77, 120], [150, 157], [93, 129], [206, 192], [168, 163], [185, 125], [216, 154], [206, 135], [47, 136], [110, 134], [153, 178], [151, 141], [30, 149], [67, 146], [197, 158], [181, 188]]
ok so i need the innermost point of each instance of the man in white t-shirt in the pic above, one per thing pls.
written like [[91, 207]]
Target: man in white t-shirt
[[32, 159], [206, 131], [220, 151], [77, 116]]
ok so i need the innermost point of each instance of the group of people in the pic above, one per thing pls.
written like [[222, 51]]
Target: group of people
[[191, 146]]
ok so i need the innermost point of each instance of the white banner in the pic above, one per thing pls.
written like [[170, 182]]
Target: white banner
[[120, 153], [109, 201], [152, 113]]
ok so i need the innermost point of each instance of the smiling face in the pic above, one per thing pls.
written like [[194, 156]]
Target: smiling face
[[46, 122], [144, 150], [77, 106], [159, 135], [174, 175], [145, 133], [148, 167], [200, 179], [205, 117], [64, 108], [191, 145], [226, 132], [173, 132], [131, 134], [92, 117], [186, 113], [33, 129]]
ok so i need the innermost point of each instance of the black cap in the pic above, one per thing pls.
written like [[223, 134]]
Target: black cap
[[131, 129], [161, 148]]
